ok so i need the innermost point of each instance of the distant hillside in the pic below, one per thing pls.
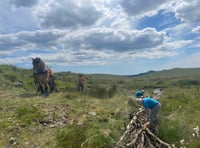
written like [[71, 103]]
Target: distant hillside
[[171, 73], [176, 72]]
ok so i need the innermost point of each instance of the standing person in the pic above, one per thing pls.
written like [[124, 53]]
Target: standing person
[[139, 94], [80, 83], [152, 108]]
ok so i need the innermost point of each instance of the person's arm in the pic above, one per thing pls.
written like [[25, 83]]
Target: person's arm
[[148, 113]]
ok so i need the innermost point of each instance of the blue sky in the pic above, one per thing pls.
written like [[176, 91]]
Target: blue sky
[[106, 36]]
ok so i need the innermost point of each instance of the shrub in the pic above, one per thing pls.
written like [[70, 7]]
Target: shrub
[[103, 92], [12, 76]]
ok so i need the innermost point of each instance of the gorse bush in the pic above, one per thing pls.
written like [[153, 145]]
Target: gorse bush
[[98, 92]]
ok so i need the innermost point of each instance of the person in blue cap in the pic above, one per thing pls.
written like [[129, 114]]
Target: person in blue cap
[[139, 93]]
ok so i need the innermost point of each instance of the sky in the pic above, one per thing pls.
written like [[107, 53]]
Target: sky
[[122, 37]]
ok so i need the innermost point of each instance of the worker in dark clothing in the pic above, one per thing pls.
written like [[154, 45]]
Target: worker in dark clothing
[[80, 83]]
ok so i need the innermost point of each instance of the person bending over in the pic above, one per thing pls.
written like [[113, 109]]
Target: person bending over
[[152, 108]]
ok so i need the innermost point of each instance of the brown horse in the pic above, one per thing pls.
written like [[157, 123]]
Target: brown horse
[[43, 76]]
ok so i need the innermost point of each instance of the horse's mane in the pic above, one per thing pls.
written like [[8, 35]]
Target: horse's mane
[[38, 65]]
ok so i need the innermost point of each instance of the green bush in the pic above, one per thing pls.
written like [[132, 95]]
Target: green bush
[[103, 92]]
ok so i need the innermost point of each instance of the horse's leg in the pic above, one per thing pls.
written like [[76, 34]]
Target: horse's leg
[[41, 89], [46, 89], [38, 88], [52, 84], [36, 83]]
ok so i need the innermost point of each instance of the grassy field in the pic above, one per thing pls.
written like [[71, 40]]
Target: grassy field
[[97, 116]]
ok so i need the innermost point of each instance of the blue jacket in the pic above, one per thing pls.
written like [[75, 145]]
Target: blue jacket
[[149, 103]]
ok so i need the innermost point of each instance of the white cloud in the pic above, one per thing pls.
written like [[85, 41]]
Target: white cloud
[[142, 7], [16, 60], [89, 32], [179, 32], [74, 58], [188, 11], [196, 30], [115, 39], [66, 14], [28, 40], [168, 49]]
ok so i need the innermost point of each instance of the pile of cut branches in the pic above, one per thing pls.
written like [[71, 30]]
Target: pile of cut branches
[[138, 135]]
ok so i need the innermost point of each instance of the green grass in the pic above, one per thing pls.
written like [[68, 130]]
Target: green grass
[[28, 113], [180, 111], [95, 117], [22, 119]]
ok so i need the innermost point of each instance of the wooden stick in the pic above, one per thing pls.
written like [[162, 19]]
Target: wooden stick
[[137, 134], [159, 140], [134, 140], [141, 145]]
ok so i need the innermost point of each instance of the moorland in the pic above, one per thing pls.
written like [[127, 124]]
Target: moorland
[[97, 116]]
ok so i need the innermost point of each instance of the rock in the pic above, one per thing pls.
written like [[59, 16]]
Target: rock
[[13, 141], [18, 84], [80, 123], [52, 126], [92, 113]]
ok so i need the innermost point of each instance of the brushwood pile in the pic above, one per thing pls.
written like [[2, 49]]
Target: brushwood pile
[[139, 135]]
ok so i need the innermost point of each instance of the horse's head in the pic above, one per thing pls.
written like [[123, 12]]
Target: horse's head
[[36, 61], [38, 65]]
